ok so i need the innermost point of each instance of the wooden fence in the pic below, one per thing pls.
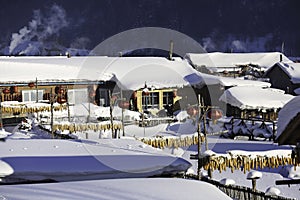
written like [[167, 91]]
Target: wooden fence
[[239, 192]]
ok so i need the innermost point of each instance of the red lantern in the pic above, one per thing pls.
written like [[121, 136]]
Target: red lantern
[[215, 114], [6, 91], [31, 84], [124, 104], [192, 111], [61, 100]]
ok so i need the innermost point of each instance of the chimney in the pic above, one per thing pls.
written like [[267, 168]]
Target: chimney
[[171, 50], [280, 58]]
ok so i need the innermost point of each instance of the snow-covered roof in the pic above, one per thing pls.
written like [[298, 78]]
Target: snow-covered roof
[[291, 69], [230, 60], [260, 98], [129, 72], [230, 81], [287, 113]]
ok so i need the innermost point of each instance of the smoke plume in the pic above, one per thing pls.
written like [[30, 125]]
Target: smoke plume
[[43, 27]]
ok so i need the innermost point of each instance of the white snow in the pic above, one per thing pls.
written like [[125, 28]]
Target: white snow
[[125, 189], [229, 81], [227, 181], [293, 173], [247, 97], [217, 61], [272, 191], [5, 169], [129, 72], [66, 160], [287, 113], [254, 175]]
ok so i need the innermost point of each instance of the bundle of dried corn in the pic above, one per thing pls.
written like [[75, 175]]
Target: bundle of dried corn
[[24, 109], [246, 163], [76, 127], [172, 142]]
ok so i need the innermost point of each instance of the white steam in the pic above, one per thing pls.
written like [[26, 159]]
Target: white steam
[[43, 27], [234, 44]]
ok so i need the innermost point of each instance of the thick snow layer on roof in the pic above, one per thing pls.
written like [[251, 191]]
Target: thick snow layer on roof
[[219, 60], [230, 81], [142, 188], [292, 70], [287, 113], [131, 72], [255, 97], [66, 160]]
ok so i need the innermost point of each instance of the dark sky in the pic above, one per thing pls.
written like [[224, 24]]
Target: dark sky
[[218, 25]]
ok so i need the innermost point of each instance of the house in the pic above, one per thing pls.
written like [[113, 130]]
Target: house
[[252, 101], [289, 123], [235, 64], [285, 76], [145, 82]]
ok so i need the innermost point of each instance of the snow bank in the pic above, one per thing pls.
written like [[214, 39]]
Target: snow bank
[[66, 160], [247, 98], [5, 169], [142, 189]]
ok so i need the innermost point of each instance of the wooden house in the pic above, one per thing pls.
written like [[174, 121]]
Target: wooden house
[[285, 76], [253, 101], [289, 123], [98, 79], [235, 64]]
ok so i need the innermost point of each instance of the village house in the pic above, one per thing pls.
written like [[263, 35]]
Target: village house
[[289, 74], [251, 65], [130, 82]]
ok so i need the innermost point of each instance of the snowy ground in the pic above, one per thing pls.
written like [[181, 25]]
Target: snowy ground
[[131, 157], [142, 189], [222, 145]]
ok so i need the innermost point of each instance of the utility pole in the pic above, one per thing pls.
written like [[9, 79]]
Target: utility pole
[[1, 120], [52, 99], [199, 141], [111, 115], [123, 127]]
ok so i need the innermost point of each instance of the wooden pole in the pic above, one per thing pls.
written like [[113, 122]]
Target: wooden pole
[[122, 116], [111, 115], [52, 99], [68, 106], [1, 120], [37, 91], [199, 142]]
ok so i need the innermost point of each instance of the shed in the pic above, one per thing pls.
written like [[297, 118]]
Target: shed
[[289, 123], [244, 101], [285, 76]]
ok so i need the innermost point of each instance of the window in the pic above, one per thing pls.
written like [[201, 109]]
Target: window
[[167, 98], [78, 96], [103, 97], [30, 95], [150, 101]]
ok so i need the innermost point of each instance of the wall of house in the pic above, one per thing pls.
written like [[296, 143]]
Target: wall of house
[[280, 80], [15, 93]]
